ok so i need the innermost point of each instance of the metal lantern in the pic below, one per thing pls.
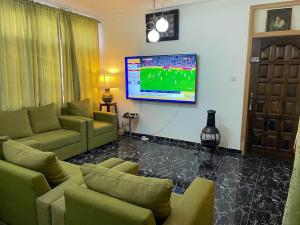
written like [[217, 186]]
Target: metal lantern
[[210, 135]]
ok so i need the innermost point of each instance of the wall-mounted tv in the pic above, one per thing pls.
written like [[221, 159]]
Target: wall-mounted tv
[[171, 78]]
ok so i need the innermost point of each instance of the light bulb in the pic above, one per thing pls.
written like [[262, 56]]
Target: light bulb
[[162, 25], [153, 36]]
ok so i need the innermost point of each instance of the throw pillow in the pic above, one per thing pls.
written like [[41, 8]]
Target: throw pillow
[[80, 108], [30, 158], [44, 118], [146, 192], [15, 124]]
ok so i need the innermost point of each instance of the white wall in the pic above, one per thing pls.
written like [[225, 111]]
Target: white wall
[[218, 32]]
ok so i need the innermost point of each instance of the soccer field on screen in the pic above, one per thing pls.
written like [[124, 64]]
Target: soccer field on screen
[[173, 79]]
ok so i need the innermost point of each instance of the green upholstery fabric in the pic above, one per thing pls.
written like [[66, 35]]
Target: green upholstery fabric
[[56, 139], [127, 167], [151, 193], [47, 202], [195, 206], [111, 162], [80, 108], [29, 142], [43, 118], [66, 142], [2, 223], [19, 188], [102, 127], [43, 162], [58, 212], [15, 124], [104, 138], [88, 207], [292, 208]]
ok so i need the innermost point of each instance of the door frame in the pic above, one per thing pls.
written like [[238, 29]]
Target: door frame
[[251, 36]]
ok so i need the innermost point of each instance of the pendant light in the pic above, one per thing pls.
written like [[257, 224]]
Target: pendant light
[[153, 35], [162, 25]]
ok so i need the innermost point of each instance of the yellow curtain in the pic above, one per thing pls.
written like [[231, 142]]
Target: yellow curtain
[[48, 56], [29, 56], [18, 72], [86, 44]]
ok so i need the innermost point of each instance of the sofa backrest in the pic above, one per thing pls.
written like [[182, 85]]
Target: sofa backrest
[[19, 188]]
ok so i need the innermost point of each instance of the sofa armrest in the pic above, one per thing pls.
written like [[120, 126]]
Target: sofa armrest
[[72, 123], [84, 206], [106, 117], [45, 201], [195, 206], [77, 124], [19, 188]]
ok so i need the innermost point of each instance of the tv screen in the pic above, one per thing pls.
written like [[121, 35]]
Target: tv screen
[[162, 78]]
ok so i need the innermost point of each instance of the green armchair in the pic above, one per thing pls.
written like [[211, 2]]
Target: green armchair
[[194, 207], [101, 130]]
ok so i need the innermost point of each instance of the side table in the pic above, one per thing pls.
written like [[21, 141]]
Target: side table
[[108, 105]]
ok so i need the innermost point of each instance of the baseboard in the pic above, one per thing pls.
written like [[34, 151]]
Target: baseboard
[[181, 143]]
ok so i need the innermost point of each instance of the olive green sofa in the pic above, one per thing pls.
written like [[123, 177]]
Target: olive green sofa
[[101, 129], [27, 199], [66, 142], [194, 207], [292, 209]]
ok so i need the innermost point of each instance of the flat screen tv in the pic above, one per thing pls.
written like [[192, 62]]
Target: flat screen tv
[[170, 78]]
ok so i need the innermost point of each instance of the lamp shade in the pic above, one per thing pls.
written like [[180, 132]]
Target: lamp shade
[[105, 81], [153, 35], [162, 25]]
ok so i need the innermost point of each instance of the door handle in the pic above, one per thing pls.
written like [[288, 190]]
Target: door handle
[[251, 101]]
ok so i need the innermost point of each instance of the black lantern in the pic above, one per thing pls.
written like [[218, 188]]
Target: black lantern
[[210, 135]]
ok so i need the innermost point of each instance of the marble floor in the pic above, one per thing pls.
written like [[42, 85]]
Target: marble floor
[[249, 190]]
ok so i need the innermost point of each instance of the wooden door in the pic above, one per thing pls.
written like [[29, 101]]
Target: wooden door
[[274, 107]]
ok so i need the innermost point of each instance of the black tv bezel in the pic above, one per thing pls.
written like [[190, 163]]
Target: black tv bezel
[[162, 100]]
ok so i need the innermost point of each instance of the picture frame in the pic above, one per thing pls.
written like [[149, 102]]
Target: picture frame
[[279, 19], [173, 18]]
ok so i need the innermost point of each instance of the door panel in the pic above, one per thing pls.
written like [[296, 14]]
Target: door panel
[[275, 96]]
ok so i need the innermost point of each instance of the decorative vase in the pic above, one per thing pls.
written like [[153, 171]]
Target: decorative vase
[[107, 96]]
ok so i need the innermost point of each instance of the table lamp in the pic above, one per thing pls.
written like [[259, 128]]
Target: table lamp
[[106, 83]]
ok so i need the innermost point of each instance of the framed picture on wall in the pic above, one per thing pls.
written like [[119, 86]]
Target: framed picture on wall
[[172, 17], [279, 19]]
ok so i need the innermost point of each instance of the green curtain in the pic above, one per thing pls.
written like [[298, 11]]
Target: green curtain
[[86, 46], [18, 72], [47, 55], [29, 56]]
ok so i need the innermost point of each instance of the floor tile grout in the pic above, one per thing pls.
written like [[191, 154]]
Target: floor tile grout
[[255, 185]]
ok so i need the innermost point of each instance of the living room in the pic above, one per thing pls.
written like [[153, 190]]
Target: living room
[[213, 119]]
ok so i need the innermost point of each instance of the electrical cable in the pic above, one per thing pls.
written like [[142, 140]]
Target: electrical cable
[[168, 123]]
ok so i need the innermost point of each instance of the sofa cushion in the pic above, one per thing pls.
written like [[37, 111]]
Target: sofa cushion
[[30, 158], [44, 118], [127, 167], [15, 124], [80, 108], [29, 142], [56, 139], [146, 192], [102, 127]]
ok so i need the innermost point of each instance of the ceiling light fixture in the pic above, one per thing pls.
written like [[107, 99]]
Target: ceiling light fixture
[[153, 35], [162, 25]]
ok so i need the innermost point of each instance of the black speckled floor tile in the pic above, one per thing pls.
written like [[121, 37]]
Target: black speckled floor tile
[[249, 190]]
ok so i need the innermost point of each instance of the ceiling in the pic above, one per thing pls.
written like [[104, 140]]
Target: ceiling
[[103, 8]]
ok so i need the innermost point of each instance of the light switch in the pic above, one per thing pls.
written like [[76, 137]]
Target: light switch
[[233, 78]]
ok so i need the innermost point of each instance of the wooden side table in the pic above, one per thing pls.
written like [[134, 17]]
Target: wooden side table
[[108, 105]]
